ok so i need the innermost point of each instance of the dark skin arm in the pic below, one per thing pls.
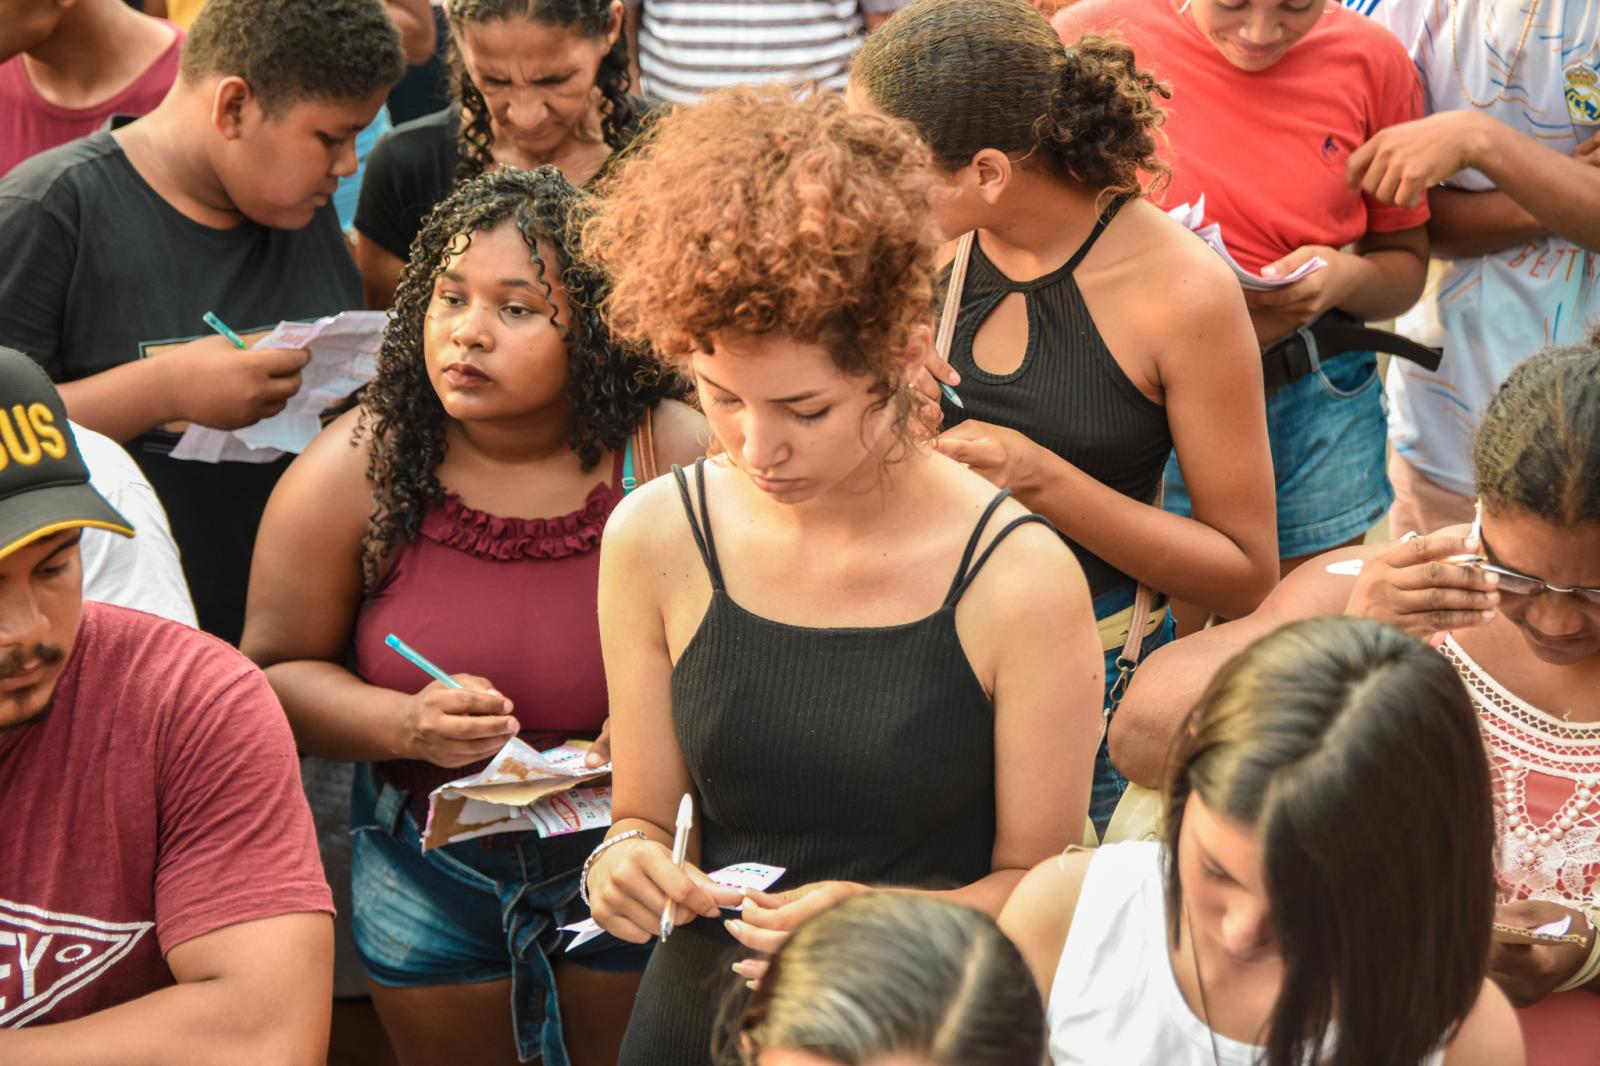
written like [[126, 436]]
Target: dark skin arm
[[258, 992], [1406, 584], [380, 272], [305, 589], [419, 34]]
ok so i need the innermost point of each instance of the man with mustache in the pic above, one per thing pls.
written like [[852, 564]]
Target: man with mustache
[[161, 899]]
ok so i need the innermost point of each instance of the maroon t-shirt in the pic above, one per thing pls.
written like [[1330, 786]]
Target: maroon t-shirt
[[159, 800]]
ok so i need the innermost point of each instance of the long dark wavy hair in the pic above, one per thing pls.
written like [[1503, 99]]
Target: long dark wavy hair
[[476, 138], [402, 419]]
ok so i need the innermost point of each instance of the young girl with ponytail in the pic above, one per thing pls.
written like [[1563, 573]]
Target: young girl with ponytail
[[1092, 335]]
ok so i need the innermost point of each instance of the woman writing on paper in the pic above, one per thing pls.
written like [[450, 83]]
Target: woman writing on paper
[[866, 664], [1092, 335], [1323, 889], [1269, 98], [460, 507], [1524, 636]]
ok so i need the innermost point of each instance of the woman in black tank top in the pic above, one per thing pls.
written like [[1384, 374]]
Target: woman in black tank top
[[864, 663], [1092, 333]]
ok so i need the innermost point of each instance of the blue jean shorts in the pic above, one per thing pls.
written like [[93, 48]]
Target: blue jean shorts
[[480, 910], [1109, 784], [1328, 433]]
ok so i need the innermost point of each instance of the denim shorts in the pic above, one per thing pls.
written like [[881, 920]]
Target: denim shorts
[[1109, 784], [480, 910], [1328, 432]]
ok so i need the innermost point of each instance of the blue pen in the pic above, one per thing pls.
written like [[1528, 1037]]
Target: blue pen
[[420, 663], [950, 394], [210, 318]]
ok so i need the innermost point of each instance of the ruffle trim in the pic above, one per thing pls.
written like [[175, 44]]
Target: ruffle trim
[[455, 525]]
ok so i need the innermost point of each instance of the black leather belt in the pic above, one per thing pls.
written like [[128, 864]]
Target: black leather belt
[[1289, 358]]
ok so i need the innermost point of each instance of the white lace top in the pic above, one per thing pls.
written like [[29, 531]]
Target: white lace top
[[1546, 775]]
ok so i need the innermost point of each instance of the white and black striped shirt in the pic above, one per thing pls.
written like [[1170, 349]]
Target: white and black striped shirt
[[689, 47]]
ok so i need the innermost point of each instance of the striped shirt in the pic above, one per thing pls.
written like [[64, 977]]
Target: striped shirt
[[690, 47]]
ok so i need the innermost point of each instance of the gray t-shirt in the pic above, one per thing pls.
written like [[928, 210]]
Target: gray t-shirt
[[99, 270]]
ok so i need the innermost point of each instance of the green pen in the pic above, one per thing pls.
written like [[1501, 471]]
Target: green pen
[[210, 318]]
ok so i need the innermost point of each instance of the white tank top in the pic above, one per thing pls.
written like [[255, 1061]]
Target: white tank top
[[1114, 999]]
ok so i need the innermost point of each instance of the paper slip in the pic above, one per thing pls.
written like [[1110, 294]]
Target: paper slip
[[344, 357], [493, 800], [1345, 567], [740, 875], [1194, 216], [571, 811]]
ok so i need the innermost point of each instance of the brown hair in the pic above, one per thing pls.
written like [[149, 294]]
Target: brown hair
[[1354, 752], [1538, 448], [757, 213], [895, 972], [975, 74]]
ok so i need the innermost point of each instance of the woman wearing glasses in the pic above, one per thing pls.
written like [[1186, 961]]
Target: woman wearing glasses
[[1513, 602]]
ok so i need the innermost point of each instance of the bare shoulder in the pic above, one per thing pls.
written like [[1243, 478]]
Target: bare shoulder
[[332, 471], [681, 434], [1039, 913], [1172, 259], [1490, 1034]]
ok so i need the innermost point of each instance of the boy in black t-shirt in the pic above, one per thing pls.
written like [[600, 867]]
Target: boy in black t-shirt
[[218, 200]]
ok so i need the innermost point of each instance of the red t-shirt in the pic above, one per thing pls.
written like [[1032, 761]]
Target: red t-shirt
[[29, 123], [157, 801], [1269, 149]]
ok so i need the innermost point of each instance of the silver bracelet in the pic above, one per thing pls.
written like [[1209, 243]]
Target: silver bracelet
[[609, 842]]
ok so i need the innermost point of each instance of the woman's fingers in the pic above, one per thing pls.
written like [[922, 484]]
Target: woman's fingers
[[766, 941]]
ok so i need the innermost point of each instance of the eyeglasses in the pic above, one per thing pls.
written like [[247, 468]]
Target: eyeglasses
[[1515, 584]]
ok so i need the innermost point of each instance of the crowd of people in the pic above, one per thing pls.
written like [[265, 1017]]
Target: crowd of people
[[1101, 498]]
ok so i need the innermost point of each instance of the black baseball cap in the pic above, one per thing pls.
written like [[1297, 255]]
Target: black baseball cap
[[44, 483]]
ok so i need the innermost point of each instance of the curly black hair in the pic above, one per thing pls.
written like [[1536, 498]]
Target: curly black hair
[[288, 50], [402, 419], [476, 136]]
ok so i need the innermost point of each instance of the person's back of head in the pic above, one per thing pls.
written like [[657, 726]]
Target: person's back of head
[[1538, 447], [976, 74], [1352, 752], [895, 975]]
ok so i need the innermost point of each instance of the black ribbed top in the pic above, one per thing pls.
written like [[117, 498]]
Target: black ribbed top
[[858, 754], [1068, 395]]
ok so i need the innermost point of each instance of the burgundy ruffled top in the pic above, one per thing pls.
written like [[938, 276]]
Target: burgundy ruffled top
[[513, 600]]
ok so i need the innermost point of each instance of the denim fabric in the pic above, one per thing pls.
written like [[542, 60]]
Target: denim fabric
[[1328, 433], [479, 910], [1109, 784]]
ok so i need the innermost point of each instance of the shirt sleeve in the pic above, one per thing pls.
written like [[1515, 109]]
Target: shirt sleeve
[[35, 273], [385, 202], [1398, 99], [236, 840]]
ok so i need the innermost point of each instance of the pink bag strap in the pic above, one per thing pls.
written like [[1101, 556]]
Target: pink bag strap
[[952, 296], [1144, 601]]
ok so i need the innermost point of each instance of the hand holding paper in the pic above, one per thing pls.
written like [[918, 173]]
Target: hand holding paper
[[1194, 217]]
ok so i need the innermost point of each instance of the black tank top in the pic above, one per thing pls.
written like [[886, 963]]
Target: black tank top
[[1068, 394], [856, 754]]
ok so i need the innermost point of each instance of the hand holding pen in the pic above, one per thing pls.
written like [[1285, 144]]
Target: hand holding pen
[[1426, 585], [640, 890], [456, 720]]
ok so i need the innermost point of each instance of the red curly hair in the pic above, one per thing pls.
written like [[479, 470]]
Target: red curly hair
[[755, 212]]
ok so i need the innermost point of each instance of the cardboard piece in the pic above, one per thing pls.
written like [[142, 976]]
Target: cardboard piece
[[494, 800]]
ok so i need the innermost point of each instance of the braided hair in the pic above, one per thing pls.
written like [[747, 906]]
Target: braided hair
[[476, 138], [403, 420]]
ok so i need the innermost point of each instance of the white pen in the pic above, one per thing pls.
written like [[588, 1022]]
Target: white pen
[[680, 844]]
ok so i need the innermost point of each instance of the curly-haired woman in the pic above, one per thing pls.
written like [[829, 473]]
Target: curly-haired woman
[[866, 664], [461, 507], [533, 83], [1093, 334], [1270, 98]]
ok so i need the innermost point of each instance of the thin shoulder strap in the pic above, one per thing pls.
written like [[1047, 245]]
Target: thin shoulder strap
[[701, 528], [1099, 227], [965, 572]]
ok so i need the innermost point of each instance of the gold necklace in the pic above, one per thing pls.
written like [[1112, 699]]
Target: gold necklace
[[1511, 68]]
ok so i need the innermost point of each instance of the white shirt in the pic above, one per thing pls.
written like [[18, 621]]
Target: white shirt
[[1493, 312], [142, 572], [1115, 1000]]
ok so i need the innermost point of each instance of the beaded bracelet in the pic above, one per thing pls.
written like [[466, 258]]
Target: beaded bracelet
[[609, 842], [1591, 966]]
